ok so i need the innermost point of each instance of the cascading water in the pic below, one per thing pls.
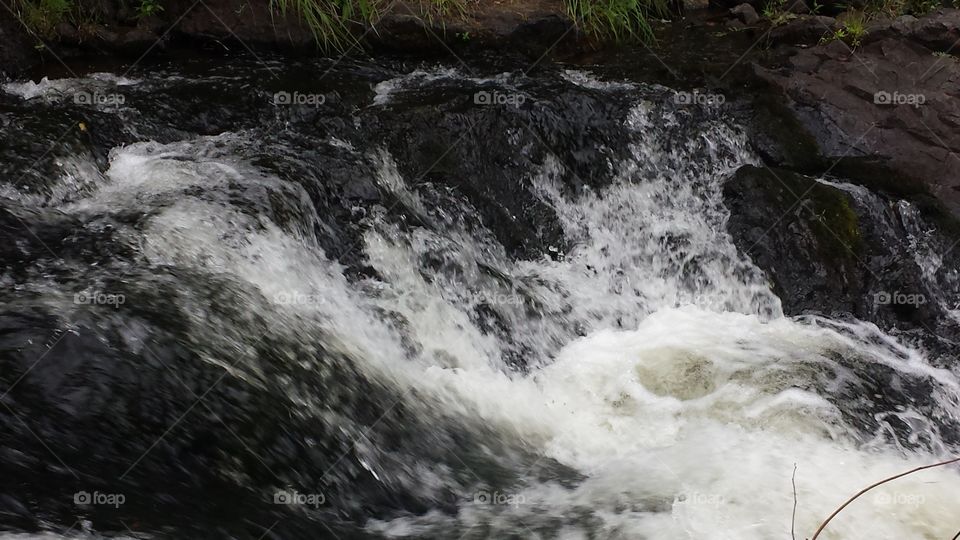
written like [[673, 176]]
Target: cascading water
[[394, 360]]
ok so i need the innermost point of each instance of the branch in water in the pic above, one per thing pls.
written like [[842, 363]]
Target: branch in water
[[793, 519], [868, 488]]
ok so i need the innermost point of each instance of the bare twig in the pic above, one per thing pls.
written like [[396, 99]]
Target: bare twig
[[956, 536], [868, 488], [793, 520]]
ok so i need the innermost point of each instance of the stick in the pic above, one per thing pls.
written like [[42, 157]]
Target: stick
[[793, 520], [868, 488]]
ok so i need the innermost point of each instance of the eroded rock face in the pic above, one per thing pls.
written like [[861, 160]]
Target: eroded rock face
[[894, 98], [838, 249]]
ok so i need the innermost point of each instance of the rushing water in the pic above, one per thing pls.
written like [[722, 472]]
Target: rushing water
[[241, 304]]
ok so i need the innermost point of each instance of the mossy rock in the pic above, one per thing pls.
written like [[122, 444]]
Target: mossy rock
[[805, 234]]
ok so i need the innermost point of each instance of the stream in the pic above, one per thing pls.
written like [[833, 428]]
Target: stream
[[396, 299]]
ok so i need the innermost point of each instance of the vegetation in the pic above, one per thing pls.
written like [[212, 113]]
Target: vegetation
[[42, 16], [330, 21], [854, 21], [895, 8], [148, 8], [334, 22], [852, 30], [617, 19], [777, 14]]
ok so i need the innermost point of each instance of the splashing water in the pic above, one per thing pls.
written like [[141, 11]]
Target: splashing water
[[648, 361]]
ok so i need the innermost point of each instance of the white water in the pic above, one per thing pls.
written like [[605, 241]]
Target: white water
[[58, 89], [685, 403]]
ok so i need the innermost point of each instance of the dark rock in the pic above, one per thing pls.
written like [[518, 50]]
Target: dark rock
[[152, 23], [139, 38], [835, 7], [893, 100], [106, 35], [16, 49], [729, 4], [805, 30], [839, 251], [255, 23], [532, 28], [735, 24], [67, 32], [777, 215], [798, 7], [694, 5], [746, 14], [780, 138]]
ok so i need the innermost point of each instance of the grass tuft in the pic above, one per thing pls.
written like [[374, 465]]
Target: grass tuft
[[329, 20], [43, 16], [618, 20]]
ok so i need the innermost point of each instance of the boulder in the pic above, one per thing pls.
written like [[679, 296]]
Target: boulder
[[891, 102], [837, 249], [746, 13]]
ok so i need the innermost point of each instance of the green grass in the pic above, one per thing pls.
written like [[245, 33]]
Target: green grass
[[329, 20], [333, 21], [42, 16], [895, 8], [618, 20], [148, 8], [776, 13], [852, 30]]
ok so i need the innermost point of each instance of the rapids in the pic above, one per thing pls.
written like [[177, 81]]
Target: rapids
[[267, 320]]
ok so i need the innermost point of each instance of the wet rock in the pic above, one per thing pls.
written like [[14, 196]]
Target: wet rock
[[836, 249], [746, 14], [776, 216], [893, 100]]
